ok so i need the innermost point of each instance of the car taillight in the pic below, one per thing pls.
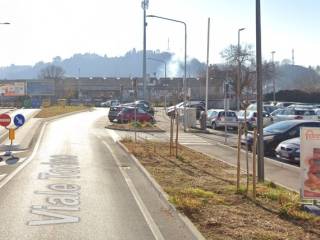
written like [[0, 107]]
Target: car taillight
[[298, 117]]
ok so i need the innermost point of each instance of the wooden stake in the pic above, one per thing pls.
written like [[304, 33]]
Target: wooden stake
[[177, 132], [239, 156], [254, 150], [171, 133]]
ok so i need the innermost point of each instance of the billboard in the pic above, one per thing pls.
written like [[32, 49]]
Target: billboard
[[13, 89], [40, 88], [310, 162]]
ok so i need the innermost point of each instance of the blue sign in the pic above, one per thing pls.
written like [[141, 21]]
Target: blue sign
[[19, 120]]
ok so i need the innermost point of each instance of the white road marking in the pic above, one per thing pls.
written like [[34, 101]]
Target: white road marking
[[3, 176], [114, 135], [26, 161], [147, 216]]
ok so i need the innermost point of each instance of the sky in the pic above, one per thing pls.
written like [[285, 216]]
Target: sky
[[39, 30]]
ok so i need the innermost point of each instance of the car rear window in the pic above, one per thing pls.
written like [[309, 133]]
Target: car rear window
[[304, 112], [229, 114]]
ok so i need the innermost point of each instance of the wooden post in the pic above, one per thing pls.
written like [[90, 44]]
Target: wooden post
[[171, 133], [254, 151], [177, 132], [239, 156]]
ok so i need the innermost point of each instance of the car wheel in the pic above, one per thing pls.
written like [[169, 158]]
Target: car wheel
[[214, 125]]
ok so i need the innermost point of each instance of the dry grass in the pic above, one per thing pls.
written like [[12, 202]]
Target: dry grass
[[204, 189], [58, 110], [134, 125]]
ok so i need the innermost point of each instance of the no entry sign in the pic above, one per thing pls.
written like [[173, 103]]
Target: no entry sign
[[5, 120]]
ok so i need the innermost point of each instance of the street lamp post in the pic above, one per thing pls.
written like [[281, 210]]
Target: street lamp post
[[144, 5], [165, 65], [185, 64], [273, 78], [260, 148], [239, 71]]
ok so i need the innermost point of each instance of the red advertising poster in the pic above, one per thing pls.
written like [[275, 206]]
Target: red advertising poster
[[12, 89], [310, 162]]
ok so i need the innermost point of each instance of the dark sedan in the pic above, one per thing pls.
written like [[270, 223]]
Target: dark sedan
[[289, 150], [279, 132]]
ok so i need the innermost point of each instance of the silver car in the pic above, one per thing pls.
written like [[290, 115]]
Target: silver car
[[216, 118], [292, 114]]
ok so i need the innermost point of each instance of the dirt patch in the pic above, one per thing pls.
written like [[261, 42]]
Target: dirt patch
[[135, 126], [58, 110], [204, 190]]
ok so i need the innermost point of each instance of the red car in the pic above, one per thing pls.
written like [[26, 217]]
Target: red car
[[127, 114]]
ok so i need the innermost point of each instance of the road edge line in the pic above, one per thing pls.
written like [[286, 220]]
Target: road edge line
[[144, 210], [164, 196]]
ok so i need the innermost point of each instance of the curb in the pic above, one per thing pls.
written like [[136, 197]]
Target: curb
[[164, 196]]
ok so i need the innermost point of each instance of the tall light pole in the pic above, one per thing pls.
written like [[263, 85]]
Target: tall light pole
[[207, 70], [273, 78], [185, 64], [239, 71], [144, 5], [164, 62], [259, 95]]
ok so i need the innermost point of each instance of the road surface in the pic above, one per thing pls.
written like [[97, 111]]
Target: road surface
[[78, 184]]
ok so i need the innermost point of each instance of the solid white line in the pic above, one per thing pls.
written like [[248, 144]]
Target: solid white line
[[3, 176], [26, 162], [147, 216]]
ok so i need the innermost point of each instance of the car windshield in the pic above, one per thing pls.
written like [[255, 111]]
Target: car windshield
[[280, 127]]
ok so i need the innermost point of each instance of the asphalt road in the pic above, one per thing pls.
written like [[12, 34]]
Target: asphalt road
[[79, 184]]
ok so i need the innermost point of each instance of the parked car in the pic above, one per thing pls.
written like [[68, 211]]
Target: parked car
[[284, 104], [289, 150], [268, 108], [279, 132], [293, 113], [198, 105], [216, 118], [128, 114], [113, 112], [252, 118], [110, 103]]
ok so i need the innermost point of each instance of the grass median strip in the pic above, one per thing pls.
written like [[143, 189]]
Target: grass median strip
[[135, 126], [204, 189], [53, 111]]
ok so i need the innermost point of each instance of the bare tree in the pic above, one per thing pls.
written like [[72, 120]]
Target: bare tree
[[233, 56], [51, 72]]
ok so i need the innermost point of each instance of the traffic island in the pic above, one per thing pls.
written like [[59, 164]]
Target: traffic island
[[135, 127], [204, 189], [53, 111]]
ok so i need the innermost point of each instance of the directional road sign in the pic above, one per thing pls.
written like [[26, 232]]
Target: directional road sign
[[19, 120], [5, 120]]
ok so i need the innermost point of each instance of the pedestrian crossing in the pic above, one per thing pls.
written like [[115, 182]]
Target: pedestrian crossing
[[190, 139]]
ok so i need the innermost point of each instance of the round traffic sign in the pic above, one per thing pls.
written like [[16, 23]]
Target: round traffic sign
[[5, 120], [19, 120]]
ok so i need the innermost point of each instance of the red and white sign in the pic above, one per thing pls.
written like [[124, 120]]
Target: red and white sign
[[310, 162], [5, 120]]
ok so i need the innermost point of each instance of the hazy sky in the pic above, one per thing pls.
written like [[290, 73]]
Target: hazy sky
[[42, 29]]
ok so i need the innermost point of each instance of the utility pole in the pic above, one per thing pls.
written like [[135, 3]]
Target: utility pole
[[144, 5], [239, 71], [273, 78], [207, 73], [259, 95]]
